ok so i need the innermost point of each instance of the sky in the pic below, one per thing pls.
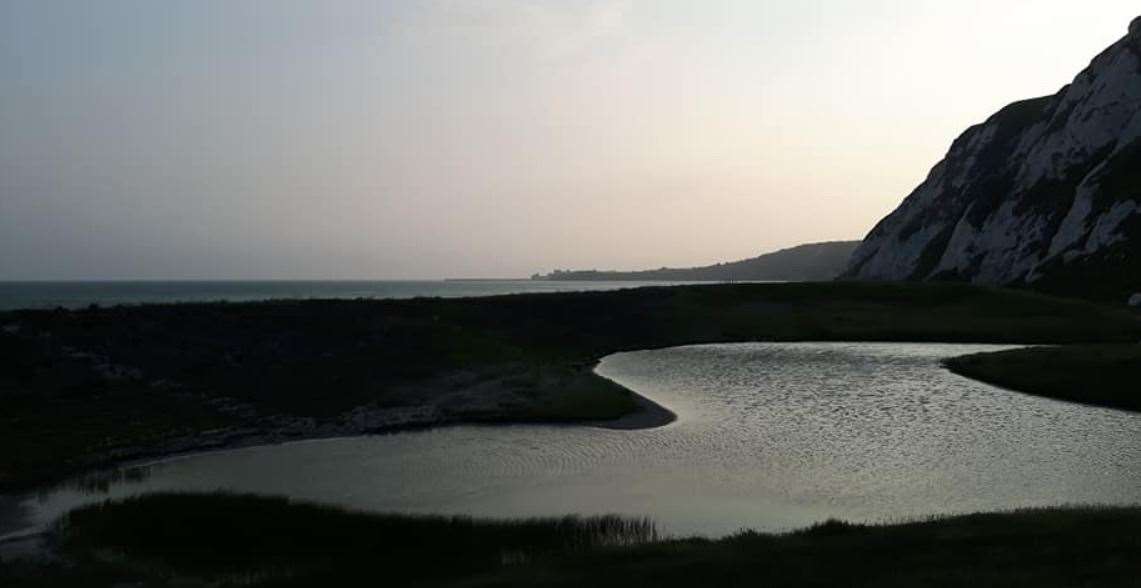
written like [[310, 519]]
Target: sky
[[326, 139]]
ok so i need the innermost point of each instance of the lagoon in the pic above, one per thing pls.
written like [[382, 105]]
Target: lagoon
[[769, 436]]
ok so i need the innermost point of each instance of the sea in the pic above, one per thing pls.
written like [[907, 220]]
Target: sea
[[77, 294]]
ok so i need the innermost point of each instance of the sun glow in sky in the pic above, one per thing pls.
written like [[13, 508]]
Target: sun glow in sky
[[338, 139]]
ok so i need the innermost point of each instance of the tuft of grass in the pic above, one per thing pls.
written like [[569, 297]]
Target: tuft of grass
[[1102, 375], [832, 527]]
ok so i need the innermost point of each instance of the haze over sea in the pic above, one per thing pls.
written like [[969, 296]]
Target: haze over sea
[[75, 294]]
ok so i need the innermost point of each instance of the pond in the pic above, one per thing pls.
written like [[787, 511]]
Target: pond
[[769, 436]]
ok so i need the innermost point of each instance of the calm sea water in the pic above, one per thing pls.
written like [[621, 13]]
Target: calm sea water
[[769, 436], [15, 295]]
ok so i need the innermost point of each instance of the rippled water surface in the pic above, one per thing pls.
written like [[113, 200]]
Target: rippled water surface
[[769, 436]]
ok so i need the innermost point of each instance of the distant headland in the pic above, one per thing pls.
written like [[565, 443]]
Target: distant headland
[[803, 263]]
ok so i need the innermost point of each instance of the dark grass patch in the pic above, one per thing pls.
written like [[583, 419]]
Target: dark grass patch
[[228, 536], [1103, 375], [247, 540], [1048, 547], [60, 406]]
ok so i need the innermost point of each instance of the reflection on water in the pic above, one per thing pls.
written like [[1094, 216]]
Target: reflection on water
[[769, 436]]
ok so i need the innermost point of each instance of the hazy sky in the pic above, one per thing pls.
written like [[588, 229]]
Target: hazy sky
[[327, 139]]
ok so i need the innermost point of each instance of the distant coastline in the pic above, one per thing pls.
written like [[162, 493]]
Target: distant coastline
[[483, 279], [18, 295], [812, 262]]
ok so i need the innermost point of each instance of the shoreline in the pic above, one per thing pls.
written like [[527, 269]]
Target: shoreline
[[29, 539], [97, 388], [1061, 373], [174, 530], [646, 415], [649, 415], [28, 542]]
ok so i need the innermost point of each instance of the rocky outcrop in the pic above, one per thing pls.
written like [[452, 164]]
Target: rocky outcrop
[[1045, 193]]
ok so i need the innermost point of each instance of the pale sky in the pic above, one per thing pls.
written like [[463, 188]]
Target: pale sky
[[462, 138]]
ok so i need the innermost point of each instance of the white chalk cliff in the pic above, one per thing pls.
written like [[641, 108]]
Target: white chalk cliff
[[1046, 192]]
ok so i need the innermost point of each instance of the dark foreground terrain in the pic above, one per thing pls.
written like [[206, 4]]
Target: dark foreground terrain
[[228, 540], [88, 388]]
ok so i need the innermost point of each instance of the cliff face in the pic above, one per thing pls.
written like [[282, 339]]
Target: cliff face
[[1045, 193]]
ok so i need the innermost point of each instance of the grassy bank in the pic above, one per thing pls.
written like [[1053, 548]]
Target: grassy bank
[[196, 539], [179, 535], [1104, 375], [87, 387]]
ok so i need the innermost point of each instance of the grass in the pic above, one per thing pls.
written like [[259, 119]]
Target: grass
[[88, 387], [1041, 548], [57, 410], [241, 536], [1104, 375], [225, 539]]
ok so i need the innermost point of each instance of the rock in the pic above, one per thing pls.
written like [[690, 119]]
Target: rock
[[1044, 193], [1135, 26]]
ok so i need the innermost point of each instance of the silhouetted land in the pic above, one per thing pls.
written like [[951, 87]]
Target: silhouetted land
[[246, 540], [1105, 375], [92, 387], [809, 262]]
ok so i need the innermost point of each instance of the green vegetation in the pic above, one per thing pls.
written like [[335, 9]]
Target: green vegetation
[[1105, 375], [245, 540], [89, 387]]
